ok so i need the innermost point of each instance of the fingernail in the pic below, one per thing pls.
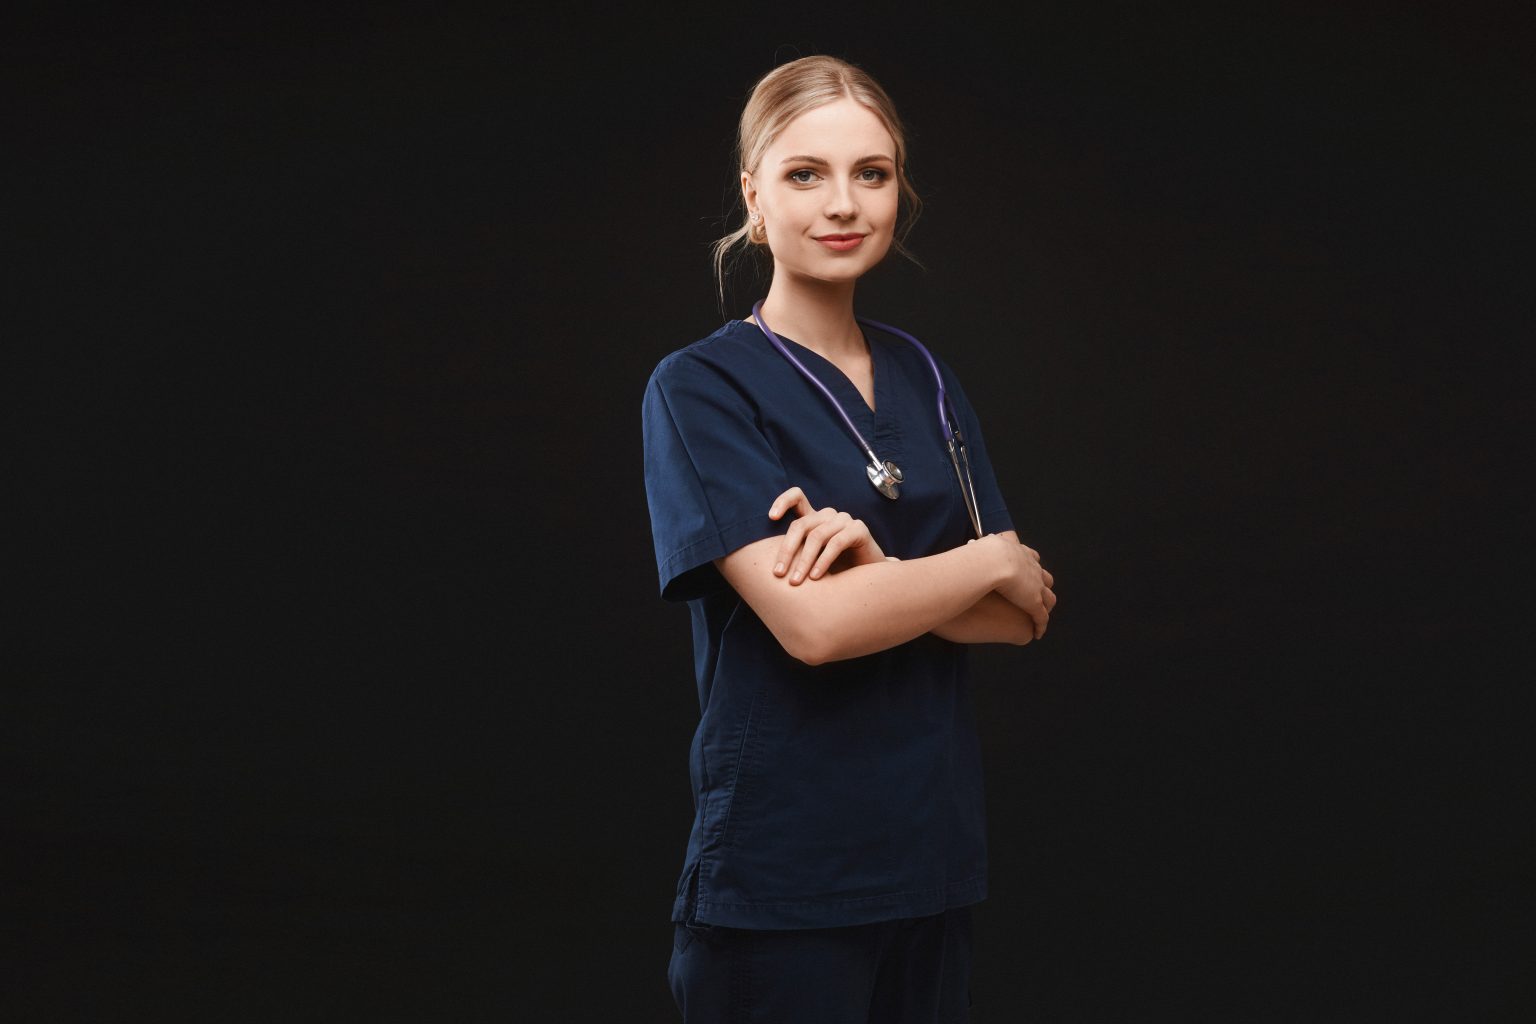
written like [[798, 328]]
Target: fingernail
[[797, 576], [778, 568]]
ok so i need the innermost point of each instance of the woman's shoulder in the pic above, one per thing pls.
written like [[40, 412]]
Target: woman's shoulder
[[727, 349]]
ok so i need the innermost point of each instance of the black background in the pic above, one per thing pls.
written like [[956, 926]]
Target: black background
[[338, 687]]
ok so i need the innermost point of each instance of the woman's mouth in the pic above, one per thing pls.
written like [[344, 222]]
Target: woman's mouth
[[840, 243]]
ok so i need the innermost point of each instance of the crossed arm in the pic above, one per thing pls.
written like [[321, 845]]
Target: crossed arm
[[990, 590]]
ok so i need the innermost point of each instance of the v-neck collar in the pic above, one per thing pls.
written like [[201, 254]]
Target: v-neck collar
[[833, 376]]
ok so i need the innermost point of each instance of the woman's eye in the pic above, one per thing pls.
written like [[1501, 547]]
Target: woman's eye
[[878, 175]]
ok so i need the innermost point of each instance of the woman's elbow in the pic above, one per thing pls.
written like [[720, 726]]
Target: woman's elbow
[[809, 648], [806, 623], [809, 657], [807, 641]]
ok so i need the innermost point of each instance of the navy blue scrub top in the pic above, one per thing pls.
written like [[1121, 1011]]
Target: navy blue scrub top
[[843, 793]]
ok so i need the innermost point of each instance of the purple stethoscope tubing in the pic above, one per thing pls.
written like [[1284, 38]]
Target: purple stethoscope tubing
[[946, 425], [949, 429]]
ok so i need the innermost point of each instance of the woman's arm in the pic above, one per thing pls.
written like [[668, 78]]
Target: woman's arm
[[823, 540], [871, 607], [993, 619]]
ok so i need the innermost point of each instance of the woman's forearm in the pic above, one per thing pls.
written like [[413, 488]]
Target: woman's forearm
[[992, 620], [865, 608]]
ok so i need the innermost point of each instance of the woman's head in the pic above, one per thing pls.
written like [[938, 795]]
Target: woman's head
[[835, 114]]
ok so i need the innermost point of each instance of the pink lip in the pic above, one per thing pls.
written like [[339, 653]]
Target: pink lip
[[841, 243]]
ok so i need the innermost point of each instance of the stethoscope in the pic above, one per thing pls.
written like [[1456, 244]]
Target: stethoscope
[[885, 475]]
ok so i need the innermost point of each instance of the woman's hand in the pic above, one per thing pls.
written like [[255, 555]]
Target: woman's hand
[[819, 538], [1028, 586]]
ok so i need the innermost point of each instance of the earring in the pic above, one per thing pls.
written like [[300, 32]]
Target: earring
[[755, 216]]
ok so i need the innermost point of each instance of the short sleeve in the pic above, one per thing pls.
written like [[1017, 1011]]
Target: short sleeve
[[710, 475], [995, 517]]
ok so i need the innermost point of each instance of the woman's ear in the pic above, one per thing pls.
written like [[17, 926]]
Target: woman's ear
[[748, 191]]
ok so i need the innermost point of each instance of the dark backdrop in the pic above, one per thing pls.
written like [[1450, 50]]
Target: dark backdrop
[[337, 682]]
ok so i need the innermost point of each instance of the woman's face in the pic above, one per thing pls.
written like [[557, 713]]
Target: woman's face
[[830, 172]]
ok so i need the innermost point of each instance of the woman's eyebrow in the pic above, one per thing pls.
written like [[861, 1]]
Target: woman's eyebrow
[[822, 163]]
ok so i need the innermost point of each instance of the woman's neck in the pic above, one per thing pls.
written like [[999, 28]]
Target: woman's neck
[[816, 314]]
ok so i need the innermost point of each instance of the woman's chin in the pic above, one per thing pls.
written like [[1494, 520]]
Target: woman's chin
[[837, 271]]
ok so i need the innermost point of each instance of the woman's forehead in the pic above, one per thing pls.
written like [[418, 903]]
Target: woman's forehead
[[842, 131]]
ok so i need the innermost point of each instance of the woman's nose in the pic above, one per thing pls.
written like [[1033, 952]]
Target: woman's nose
[[841, 201]]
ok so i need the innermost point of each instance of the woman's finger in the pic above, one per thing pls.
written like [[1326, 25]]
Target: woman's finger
[[1050, 580], [811, 544], [788, 546], [854, 534], [815, 540], [1040, 616], [792, 498], [795, 536], [834, 547]]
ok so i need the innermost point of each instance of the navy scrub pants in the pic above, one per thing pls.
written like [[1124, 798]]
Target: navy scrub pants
[[903, 971]]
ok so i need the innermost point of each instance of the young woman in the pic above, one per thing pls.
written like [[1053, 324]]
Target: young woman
[[837, 556]]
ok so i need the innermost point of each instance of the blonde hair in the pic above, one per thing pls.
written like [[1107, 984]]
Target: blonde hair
[[782, 95]]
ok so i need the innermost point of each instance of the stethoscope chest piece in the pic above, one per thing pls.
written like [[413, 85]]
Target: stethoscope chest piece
[[885, 476]]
